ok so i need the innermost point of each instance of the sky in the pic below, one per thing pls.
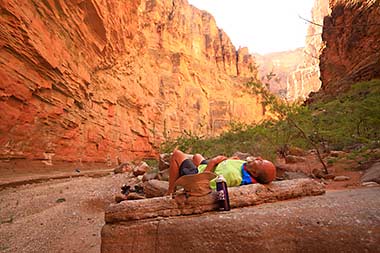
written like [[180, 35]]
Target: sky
[[264, 26]]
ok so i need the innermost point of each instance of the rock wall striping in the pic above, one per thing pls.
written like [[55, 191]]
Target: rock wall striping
[[102, 80]]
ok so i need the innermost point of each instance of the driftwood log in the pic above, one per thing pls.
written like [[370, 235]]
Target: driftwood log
[[133, 226], [242, 196]]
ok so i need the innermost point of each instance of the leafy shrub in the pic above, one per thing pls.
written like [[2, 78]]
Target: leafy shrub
[[339, 123]]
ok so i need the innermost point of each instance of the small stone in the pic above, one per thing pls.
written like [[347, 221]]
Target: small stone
[[60, 200], [140, 169], [370, 184], [335, 153], [294, 159], [341, 178]]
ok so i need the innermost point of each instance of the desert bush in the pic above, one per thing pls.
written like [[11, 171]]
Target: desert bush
[[339, 123]]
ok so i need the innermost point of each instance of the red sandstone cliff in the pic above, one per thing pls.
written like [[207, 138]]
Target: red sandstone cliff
[[92, 80], [352, 37]]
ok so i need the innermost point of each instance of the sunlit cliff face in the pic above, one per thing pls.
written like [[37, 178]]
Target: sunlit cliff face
[[107, 81]]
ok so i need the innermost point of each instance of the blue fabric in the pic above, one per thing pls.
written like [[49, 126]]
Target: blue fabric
[[246, 177]]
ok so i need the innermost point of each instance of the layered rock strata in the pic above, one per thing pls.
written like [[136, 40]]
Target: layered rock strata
[[104, 81], [352, 38]]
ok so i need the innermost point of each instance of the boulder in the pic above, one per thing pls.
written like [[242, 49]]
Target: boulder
[[140, 169], [164, 161], [155, 188], [372, 174]]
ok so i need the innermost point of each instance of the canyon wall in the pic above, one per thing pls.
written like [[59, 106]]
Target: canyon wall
[[274, 70], [352, 38], [306, 77], [296, 73], [104, 81]]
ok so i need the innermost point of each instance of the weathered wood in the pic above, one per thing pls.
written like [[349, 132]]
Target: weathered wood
[[239, 197]]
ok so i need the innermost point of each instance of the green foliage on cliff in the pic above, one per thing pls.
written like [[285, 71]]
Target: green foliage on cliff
[[351, 118], [348, 121]]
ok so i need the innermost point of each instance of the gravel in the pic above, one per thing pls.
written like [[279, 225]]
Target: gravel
[[63, 215]]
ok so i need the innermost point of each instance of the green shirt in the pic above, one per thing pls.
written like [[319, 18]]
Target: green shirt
[[230, 169]]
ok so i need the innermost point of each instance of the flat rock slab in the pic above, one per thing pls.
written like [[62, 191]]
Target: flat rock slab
[[159, 224], [339, 221]]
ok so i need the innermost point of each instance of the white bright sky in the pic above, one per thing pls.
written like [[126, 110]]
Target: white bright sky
[[264, 26]]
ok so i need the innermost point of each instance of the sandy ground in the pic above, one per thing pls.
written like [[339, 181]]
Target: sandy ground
[[64, 215]]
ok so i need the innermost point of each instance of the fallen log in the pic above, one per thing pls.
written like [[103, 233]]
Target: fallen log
[[242, 196]]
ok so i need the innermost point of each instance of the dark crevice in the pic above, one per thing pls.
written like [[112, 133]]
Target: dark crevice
[[237, 62], [59, 87], [222, 47], [172, 12]]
